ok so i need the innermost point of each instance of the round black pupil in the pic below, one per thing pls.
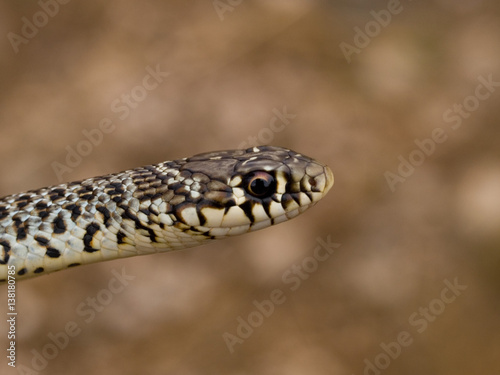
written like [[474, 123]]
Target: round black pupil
[[261, 186]]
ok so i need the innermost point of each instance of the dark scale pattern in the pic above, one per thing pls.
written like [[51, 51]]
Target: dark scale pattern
[[52, 253], [21, 233], [42, 240], [91, 230], [4, 212], [171, 205], [120, 236], [59, 225], [105, 213], [5, 251]]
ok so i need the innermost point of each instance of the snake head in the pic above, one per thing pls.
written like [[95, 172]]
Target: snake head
[[237, 191]]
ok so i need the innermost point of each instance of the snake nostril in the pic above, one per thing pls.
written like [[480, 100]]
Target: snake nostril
[[312, 182]]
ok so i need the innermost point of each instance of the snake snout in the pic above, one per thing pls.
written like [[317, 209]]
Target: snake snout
[[329, 179], [317, 181]]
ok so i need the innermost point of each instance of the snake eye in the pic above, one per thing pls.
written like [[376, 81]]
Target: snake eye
[[260, 184]]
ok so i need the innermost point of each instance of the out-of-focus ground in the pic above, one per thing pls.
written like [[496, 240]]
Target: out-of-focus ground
[[419, 257]]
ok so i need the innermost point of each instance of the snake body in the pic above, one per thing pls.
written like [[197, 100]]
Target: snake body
[[168, 206]]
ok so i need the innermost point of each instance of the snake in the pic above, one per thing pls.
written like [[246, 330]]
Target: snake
[[156, 208]]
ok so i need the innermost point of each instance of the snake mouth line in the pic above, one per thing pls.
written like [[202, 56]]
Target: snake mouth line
[[223, 232]]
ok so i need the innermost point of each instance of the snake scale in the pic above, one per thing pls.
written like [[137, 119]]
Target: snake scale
[[167, 206]]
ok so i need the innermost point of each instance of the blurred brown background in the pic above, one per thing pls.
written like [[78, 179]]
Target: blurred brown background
[[232, 65]]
